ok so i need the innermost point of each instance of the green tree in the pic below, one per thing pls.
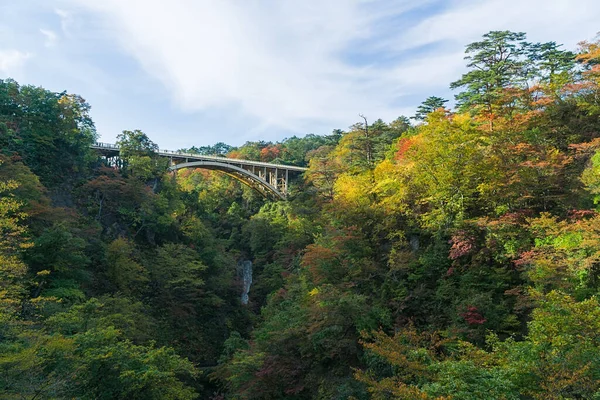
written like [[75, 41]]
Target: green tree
[[136, 143], [140, 155], [123, 271], [98, 363], [549, 64], [113, 368], [496, 63], [431, 104], [51, 131], [218, 149], [558, 358]]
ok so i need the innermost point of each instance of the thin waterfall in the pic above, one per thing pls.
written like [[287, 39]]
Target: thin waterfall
[[245, 268]]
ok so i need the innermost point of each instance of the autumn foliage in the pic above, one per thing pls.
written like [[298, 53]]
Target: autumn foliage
[[456, 257]]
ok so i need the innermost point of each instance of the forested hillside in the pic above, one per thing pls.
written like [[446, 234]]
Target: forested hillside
[[451, 255]]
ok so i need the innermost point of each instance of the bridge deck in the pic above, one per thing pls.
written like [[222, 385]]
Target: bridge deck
[[187, 157], [267, 178]]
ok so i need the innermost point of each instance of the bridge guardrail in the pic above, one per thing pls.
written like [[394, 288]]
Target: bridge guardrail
[[112, 146]]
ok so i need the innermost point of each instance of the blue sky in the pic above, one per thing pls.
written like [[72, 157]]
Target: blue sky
[[195, 72]]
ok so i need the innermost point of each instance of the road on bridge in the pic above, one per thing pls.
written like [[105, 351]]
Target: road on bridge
[[268, 178]]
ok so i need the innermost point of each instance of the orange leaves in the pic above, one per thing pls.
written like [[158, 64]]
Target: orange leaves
[[403, 145], [589, 51], [319, 260], [585, 148], [532, 175], [270, 153], [339, 257], [539, 157], [235, 154]]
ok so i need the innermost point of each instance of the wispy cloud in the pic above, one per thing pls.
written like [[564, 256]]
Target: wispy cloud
[[51, 37], [11, 61], [66, 19]]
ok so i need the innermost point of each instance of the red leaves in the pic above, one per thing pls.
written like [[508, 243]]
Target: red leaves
[[472, 316], [526, 258], [462, 244], [581, 214]]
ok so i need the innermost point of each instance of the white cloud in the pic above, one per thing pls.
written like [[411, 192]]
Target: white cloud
[[11, 61], [562, 21], [279, 62], [51, 37], [297, 65], [66, 19]]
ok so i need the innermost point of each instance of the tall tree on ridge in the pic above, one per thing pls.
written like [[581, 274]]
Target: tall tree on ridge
[[496, 63], [431, 104]]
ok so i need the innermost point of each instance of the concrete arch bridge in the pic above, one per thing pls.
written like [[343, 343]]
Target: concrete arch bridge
[[271, 180]]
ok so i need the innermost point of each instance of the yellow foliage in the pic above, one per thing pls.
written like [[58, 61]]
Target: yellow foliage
[[354, 191]]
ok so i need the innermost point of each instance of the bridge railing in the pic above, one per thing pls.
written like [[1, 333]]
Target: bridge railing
[[111, 146], [161, 151], [181, 153], [106, 145]]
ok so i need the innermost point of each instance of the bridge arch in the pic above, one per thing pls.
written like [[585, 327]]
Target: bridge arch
[[244, 176], [267, 178]]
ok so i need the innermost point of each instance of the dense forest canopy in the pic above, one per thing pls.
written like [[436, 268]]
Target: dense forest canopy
[[456, 256]]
